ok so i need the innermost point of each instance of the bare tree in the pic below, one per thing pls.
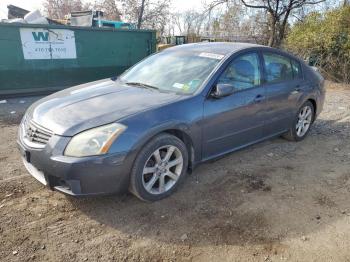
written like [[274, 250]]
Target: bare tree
[[227, 23], [140, 15], [189, 22], [235, 22], [278, 12], [256, 27], [146, 13], [156, 15], [57, 9], [110, 9], [178, 22]]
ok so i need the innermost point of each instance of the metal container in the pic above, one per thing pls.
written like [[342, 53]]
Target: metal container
[[46, 58]]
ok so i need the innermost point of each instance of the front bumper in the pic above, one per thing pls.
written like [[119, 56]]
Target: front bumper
[[105, 174]]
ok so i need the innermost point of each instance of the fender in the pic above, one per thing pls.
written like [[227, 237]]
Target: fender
[[309, 96], [166, 126]]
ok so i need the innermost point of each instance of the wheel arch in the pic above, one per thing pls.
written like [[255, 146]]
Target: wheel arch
[[314, 104], [181, 131], [187, 140], [308, 98]]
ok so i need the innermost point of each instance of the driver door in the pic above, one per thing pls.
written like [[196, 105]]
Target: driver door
[[236, 120]]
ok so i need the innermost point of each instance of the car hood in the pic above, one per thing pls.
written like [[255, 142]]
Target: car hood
[[93, 104]]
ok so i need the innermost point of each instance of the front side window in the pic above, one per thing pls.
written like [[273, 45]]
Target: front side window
[[243, 72], [278, 68]]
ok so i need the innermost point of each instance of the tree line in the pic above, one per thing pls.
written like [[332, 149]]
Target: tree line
[[313, 29], [265, 20]]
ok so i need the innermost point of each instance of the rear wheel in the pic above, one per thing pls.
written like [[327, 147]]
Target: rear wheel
[[159, 168], [302, 123]]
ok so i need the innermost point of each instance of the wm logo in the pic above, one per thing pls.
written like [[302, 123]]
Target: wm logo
[[41, 36]]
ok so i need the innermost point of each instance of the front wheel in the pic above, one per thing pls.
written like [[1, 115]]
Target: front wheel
[[159, 168], [302, 123]]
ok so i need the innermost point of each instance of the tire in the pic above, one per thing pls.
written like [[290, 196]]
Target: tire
[[294, 133], [155, 176]]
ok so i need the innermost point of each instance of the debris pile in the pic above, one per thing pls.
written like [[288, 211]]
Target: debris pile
[[89, 18], [19, 15]]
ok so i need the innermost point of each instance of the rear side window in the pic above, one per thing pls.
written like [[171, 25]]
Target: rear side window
[[296, 69], [278, 68]]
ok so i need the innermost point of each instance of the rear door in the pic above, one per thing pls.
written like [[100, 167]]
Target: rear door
[[283, 82]]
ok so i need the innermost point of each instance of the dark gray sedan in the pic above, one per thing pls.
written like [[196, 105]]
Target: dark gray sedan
[[144, 130]]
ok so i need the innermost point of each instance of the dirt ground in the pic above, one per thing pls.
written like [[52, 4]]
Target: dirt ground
[[275, 201]]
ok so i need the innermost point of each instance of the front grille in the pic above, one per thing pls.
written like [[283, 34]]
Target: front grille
[[35, 133]]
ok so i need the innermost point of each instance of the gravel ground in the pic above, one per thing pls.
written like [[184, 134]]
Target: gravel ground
[[275, 201]]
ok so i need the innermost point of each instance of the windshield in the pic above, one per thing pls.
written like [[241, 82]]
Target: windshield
[[180, 72]]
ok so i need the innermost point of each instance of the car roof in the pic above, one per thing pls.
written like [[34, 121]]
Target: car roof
[[222, 48], [227, 48]]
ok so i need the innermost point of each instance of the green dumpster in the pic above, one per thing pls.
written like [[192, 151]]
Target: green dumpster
[[46, 58]]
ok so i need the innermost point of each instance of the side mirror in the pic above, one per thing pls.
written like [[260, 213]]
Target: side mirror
[[222, 90]]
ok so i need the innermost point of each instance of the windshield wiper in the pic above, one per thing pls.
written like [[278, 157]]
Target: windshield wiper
[[141, 85]]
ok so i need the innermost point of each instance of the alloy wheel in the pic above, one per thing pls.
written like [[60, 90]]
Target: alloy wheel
[[162, 169], [304, 121]]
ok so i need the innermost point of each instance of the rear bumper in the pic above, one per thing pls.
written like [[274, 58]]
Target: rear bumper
[[107, 174], [320, 100]]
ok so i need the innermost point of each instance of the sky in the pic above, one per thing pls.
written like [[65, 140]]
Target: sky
[[180, 5]]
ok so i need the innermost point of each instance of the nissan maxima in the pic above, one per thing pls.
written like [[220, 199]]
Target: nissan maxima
[[145, 129]]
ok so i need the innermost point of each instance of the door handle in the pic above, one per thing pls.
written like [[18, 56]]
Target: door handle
[[259, 98]]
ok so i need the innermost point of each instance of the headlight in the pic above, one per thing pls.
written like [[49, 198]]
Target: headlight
[[96, 141]]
